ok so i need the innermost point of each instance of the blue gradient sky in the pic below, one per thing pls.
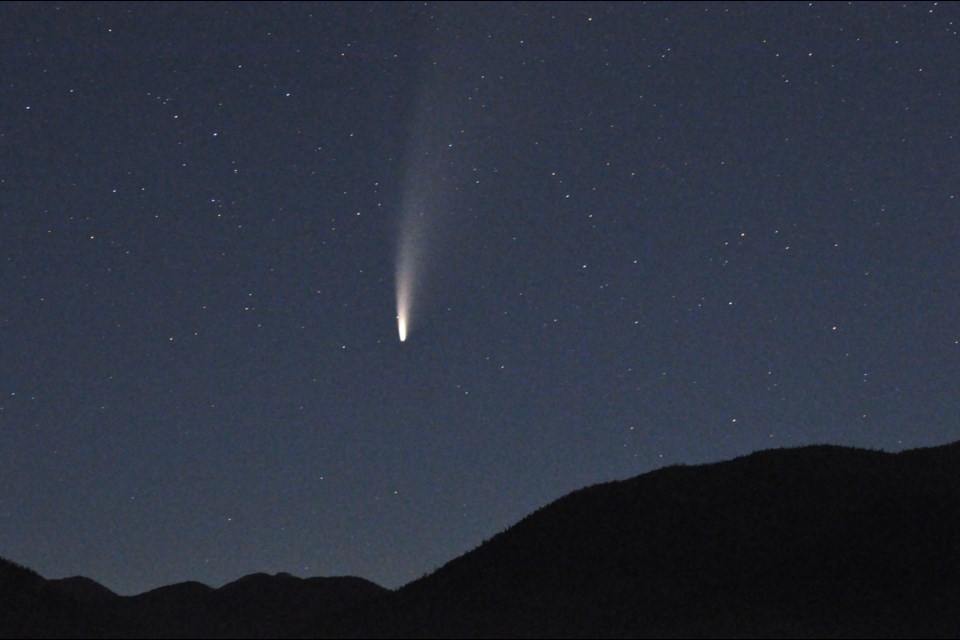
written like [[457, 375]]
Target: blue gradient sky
[[658, 234]]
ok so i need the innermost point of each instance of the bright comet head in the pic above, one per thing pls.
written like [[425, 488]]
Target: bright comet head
[[404, 291]]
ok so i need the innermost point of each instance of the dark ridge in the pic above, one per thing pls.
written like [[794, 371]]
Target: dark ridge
[[84, 590], [174, 592], [818, 541], [255, 606], [11, 571], [31, 607]]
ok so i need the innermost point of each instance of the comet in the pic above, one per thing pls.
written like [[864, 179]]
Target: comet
[[406, 276], [429, 206], [403, 307]]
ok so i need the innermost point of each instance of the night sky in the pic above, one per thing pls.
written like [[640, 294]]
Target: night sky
[[641, 234]]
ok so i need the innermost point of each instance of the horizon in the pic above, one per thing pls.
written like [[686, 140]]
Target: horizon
[[393, 589]]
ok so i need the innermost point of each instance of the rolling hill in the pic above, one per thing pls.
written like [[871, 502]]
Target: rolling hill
[[819, 541]]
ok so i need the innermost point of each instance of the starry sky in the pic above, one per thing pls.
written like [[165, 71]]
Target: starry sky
[[646, 234]]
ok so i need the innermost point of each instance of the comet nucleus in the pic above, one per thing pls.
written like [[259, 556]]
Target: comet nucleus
[[406, 276]]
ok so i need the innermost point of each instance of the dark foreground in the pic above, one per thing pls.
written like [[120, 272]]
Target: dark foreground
[[812, 542]]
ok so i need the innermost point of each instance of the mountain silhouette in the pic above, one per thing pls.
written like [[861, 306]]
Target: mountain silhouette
[[818, 541], [31, 607], [85, 590], [255, 606]]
